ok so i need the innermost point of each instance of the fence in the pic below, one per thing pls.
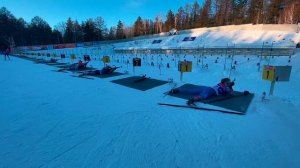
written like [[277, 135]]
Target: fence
[[264, 51]]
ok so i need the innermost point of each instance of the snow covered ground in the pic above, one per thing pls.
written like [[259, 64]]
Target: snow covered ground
[[50, 119]]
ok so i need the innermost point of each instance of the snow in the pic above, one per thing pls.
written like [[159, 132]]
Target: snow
[[243, 36], [50, 119]]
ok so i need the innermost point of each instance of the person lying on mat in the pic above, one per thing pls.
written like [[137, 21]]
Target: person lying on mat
[[76, 66], [223, 88], [104, 71]]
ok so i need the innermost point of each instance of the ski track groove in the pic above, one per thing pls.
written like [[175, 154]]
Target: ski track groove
[[48, 133], [67, 150]]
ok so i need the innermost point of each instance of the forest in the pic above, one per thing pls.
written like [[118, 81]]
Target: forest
[[210, 13]]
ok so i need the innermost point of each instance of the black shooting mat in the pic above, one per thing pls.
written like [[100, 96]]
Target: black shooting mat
[[139, 83], [237, 102]]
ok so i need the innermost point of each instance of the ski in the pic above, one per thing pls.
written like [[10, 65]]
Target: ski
[[63, 71], [202, 108], [84, 77]]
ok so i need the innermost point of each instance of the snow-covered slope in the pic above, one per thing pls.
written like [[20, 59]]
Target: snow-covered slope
[[241, 36]]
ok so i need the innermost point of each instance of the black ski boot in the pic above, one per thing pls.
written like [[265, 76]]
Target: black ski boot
[[191, 102], [174, 91]]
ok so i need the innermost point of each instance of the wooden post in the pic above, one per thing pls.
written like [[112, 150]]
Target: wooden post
[[181, 76], [272, 88], [159, 66], [134, 70], [262, 48], [202, 57]]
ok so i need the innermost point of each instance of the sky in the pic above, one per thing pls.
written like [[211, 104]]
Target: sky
[[55, 11]]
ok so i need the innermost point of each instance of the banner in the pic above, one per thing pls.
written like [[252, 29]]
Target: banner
[[189, 39], [59, 46], [156, 41], [70, 45]]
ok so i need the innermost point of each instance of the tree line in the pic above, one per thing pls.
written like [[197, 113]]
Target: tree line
[[193, 15]]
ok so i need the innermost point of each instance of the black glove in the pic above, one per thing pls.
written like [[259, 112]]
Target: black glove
[[246, 92]]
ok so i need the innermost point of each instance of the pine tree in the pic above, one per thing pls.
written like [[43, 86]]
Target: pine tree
[[7, 27], [239, 11], [151, 27], [112, 33], [158, 24], [101, 29], [170, 22], [297, 13], [187, 22], [255, 12], [69, 35], [40, 31], [196, 15], [205, 14], [21, 36], [288, 12], [56, 37], [224, 12], [273, 11], [139, 27], [120, 30], [89, 30], [179, 18], [147, 26], [77, 32]]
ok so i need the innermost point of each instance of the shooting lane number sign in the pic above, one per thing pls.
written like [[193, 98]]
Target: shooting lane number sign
[[269, 73], [106, 59], [184, 66], [276, 74]]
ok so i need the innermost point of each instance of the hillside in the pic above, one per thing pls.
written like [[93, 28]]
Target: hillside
[[240, 36]]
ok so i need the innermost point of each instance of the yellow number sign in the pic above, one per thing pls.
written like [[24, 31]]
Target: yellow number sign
[[73, 56], [185, 66], [106, 59], [269, 73]]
